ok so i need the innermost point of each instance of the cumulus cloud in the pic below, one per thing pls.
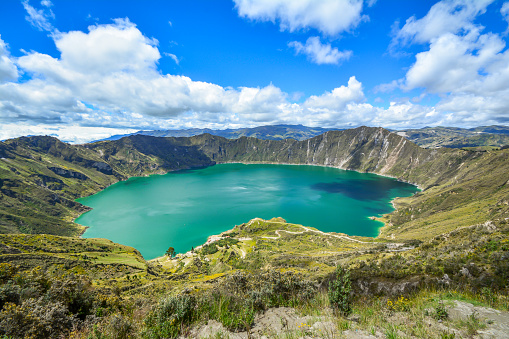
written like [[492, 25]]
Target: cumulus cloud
[[467, 67], [338, 98], [108, 78], [107, 49], [330, 17], [8, 70], [448, 16], [456, 63], [39, 18], [320, 53], [111, 71]]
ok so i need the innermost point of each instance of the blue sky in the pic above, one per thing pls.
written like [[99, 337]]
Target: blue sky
[[82, 70]]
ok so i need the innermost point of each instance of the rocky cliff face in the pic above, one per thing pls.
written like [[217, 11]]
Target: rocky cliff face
[[363, 149], [30, 204]]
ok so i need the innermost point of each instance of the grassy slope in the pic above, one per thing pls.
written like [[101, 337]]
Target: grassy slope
[[478, 192], [34, 198], [96, 258], [379, 266], [431, 137]]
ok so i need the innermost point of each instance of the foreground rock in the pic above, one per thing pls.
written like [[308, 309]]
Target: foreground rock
[[286, 322]]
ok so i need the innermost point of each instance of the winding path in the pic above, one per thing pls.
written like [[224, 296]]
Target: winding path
[[306, 229]]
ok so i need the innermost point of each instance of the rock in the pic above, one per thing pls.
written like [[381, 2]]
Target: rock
[[211, 330], [465, 272], [68, 173], [445, 280], [354, 317], [489, 226], [359, 334], [497, 322], [103, 167]]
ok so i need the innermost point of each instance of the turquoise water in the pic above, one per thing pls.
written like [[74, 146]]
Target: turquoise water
[[181, 209]]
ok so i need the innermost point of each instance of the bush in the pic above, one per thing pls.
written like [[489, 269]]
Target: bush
[[340, 291], [120, 327], [169, 317], [209, 249], [35, 319], [75, 293]]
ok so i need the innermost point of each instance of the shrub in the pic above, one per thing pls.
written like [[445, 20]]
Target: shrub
[[75, 293], [35, 319], [120, 327], [170, 316], [209, 249], [340, 291], [440, 311]]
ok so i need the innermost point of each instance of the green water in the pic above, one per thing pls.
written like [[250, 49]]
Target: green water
[[181, 209]]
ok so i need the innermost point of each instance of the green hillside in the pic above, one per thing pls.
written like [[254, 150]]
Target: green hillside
[[454, 137]]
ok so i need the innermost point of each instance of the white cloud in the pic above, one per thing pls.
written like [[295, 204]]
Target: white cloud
[[108, 79], [467, 67], [505, 12], [173, 57], [405, 115], [448, 16], [455, 63], [46, 3], [320, 53], [39, 18], [338, 98], [113, 68], [107, 49], [72, 134], [330, 17], [8, 71]]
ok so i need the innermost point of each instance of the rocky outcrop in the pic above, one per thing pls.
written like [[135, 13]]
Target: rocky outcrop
[[68, 173], [103, 167]]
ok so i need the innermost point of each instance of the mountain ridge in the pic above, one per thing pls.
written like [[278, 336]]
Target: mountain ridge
[[427, 137]]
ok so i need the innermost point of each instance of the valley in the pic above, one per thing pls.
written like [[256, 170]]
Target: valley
[[448, 242]]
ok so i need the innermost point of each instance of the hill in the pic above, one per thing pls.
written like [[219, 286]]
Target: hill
[[453, 137]]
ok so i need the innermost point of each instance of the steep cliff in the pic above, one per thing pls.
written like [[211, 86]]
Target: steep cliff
[[364, 149], [41, 176]]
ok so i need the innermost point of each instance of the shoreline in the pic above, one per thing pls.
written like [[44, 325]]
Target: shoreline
[[374, 218]]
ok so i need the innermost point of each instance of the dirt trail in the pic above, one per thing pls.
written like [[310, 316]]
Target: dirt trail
[[306, 229]]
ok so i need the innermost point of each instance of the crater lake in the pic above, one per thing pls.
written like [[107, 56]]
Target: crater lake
[[182, 209]]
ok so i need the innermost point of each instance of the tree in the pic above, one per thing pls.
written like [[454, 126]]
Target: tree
[[340, 297], [170, 252]]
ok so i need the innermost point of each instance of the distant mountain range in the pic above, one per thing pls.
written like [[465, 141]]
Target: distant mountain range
[[427, 137], [454, 137], [272, 132]]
